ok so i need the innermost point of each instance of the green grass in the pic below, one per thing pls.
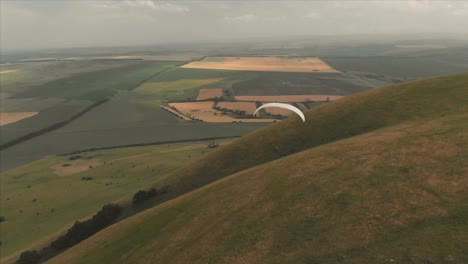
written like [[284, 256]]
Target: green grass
[[100, 84], [350, 201], [63, 199]]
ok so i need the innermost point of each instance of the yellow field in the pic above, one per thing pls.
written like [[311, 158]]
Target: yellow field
[[277, 64], [204, 111], [289, 98], [204, 94], [7, 118]]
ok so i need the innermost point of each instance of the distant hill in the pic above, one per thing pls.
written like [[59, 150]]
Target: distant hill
[[377, 177]]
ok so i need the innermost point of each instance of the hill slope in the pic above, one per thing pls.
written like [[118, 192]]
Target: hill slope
[[397, 194], [361, 199], [344, 118]]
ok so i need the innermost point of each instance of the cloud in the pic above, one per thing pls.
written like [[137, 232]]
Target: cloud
[[241, 18], [135, 22], [143, 4], [313, 15]]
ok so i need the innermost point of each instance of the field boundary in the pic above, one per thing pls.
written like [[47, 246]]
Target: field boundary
[[52, 127], [147, 144]]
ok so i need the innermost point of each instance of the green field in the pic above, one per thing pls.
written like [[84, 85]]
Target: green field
[[98, 85], [38, 201], [152, 93], [376, 177], [183, 84]]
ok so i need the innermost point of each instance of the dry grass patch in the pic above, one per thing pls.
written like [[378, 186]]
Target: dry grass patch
[[75, 166], [288, 98], [278, 64], [12, 117], [204, 94]]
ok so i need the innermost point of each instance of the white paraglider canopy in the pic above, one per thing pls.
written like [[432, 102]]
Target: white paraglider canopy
[[284, 106]]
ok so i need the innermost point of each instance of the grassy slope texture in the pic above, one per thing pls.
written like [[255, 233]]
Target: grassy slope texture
[[391, 187]]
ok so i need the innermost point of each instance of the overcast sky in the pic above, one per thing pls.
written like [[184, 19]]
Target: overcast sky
[[54, 24]]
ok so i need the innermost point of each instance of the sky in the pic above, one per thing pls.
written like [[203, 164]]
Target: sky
[[42, 24]]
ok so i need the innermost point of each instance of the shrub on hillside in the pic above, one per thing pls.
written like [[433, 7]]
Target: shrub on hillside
[[143, 195], [29, 257]]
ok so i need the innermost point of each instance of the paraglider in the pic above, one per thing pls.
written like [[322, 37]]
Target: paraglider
[[284, 106]]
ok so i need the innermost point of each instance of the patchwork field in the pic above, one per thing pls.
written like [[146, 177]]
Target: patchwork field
[[98, 85], [44, 197], [289, 98], [247, 107], [204, 94], [155, 91], [49, 112], [278, 64], [204, 111], [11, 117]]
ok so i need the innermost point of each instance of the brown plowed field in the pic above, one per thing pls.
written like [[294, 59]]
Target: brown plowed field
[[7, 118]]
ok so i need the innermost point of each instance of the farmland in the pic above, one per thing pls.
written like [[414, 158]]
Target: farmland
[[153, 93], [48, 195], [59, 100], [98, 85], [275, 64], [281, 83], [204, 94], [401, 68], [247, 107], [205, 111], [12, 117]]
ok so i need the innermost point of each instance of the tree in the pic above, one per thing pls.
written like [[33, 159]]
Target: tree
[[29, 257]]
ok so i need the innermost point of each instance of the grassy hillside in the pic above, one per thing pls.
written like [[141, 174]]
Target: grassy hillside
[[350, 116], [396, 194], [42, 198]]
